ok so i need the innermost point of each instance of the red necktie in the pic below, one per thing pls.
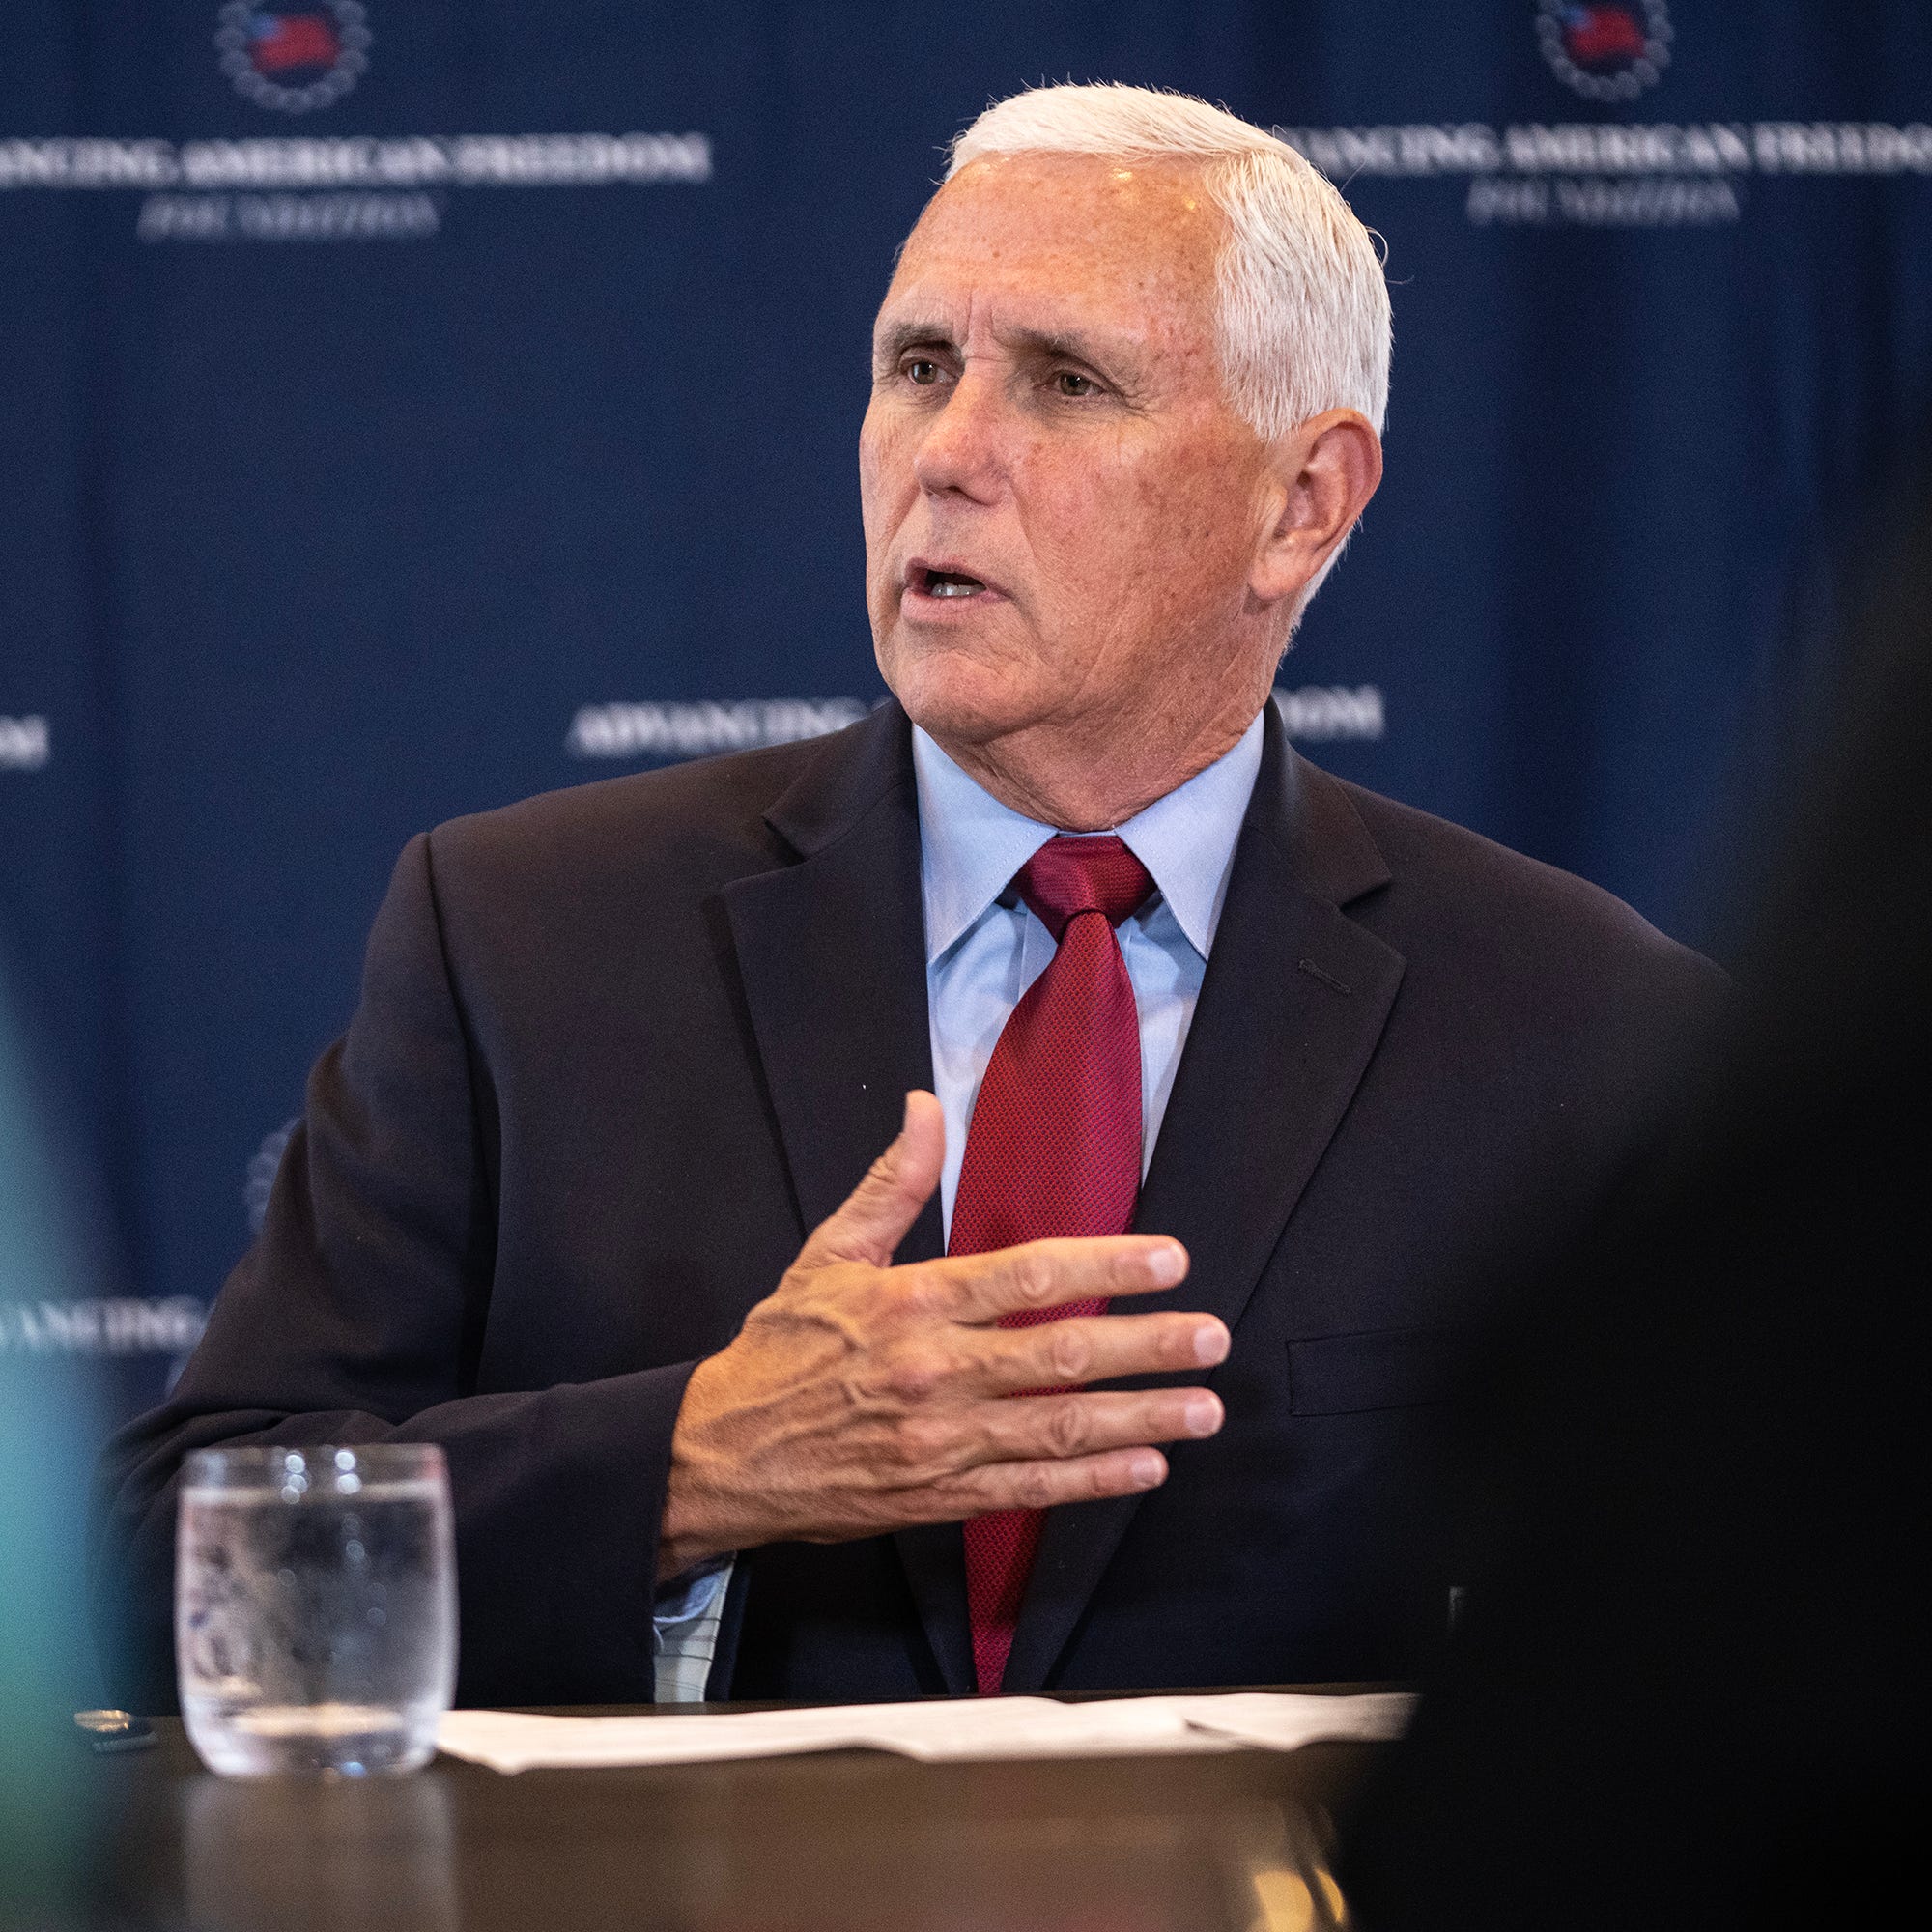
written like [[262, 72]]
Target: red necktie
[[1054, 1149]]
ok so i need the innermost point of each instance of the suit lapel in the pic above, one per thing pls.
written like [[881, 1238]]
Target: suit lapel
[[831, 953], [1293, 1004]]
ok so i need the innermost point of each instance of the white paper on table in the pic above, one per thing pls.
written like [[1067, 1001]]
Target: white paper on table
[[1288, 1720], [992, 1727]]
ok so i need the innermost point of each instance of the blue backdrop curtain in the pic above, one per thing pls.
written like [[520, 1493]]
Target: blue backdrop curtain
[[405, 407]]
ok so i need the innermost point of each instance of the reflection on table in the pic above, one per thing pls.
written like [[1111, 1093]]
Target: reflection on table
[[850, 1839]]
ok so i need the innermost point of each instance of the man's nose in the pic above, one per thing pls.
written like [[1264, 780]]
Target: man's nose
[[963, 448]]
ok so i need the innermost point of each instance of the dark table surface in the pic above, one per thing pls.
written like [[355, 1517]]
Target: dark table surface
[[848, 1839]]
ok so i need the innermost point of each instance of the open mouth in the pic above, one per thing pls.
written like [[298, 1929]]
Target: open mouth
[[930, 583]]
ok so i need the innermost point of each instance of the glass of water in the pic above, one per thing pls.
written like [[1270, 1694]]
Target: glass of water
[[315, 1607]]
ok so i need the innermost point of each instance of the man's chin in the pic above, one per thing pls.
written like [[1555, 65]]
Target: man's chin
[[956, 694]]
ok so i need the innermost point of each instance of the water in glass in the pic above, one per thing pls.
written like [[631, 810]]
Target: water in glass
[[315, 1607]]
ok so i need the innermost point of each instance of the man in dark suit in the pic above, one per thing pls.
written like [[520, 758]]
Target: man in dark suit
[[1125, 990]]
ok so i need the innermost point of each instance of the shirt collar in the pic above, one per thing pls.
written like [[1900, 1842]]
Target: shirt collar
[[971, 844]]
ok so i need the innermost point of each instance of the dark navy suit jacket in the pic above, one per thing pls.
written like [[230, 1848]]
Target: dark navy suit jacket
[[619, 1047]]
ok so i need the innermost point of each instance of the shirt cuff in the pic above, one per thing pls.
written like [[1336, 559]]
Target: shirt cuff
[[685, 1616]]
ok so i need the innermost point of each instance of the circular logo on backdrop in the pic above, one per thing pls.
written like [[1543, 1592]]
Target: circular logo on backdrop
[[1605, 49], [294, 59]]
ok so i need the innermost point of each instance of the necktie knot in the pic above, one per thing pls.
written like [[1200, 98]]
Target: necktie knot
[[1067, 876]]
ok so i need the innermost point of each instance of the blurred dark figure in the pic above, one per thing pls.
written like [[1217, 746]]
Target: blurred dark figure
[[1692, 1691]]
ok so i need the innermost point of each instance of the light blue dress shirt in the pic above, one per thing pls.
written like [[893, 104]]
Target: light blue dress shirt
[[981, 954]]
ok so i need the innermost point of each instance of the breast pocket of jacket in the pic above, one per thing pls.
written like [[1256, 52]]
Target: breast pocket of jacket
[[1385, 1368]]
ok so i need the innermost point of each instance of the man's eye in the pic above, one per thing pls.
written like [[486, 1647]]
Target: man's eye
[[1070, 383], [923, 371]]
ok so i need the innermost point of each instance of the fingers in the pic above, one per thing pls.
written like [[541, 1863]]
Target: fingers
[[1047, 1274], [1063, 1428], [878, 1214], [1047, 1485], [1095, 1347]]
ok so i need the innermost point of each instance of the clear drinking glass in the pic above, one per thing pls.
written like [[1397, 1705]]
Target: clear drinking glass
[[315, 1607]]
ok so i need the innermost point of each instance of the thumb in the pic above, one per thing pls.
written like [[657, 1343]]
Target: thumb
[[878, 1212]]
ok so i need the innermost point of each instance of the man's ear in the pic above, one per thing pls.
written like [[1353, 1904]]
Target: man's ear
[[1324, 475]]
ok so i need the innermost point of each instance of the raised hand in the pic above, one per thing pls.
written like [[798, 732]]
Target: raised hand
[[859, 1397]]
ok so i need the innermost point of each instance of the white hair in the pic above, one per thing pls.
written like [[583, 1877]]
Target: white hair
[[1304, 313], [1304, 319]]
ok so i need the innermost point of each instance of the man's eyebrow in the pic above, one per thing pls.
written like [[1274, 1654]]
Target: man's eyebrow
[[1048, 347], [894, 341], [916, 332]]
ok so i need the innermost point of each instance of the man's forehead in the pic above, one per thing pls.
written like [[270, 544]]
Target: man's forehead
[[1051, 233]]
